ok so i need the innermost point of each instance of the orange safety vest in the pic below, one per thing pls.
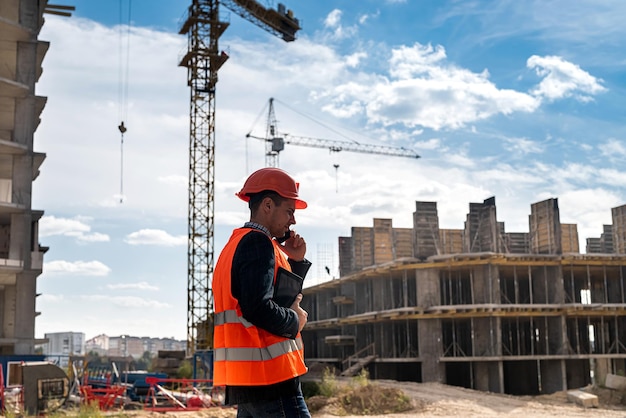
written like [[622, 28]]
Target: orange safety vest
[[243, 354]]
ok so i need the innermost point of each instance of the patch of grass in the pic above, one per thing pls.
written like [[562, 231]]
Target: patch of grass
[[374, 400], [83, 411], [362, 379], [87, 411], [359, 396], [329, 386]]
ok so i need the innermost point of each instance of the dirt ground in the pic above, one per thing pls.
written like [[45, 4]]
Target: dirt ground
[[438, 400]]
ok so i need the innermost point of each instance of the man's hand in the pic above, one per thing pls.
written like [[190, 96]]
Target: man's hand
[[302, 314], [295, 247]]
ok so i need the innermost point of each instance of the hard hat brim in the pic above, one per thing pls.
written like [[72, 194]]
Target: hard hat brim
[[300, 204]]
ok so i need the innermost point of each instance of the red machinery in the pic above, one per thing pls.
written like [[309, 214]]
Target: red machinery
[[167, 395]]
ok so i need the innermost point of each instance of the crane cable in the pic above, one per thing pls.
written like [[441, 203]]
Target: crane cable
[[123, 88], [261, 113], [322, 124]]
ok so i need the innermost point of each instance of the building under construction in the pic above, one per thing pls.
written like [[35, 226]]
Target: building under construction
[[479, 307], [21, 256]]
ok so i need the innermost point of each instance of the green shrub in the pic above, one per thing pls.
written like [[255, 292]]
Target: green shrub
[[185, 370], [310, 389], [361, 379], [329, 386]]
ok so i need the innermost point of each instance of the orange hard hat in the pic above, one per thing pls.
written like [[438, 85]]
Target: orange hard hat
[[273, 179]]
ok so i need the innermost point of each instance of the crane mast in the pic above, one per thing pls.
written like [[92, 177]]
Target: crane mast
[[203, 59], [275, 143]]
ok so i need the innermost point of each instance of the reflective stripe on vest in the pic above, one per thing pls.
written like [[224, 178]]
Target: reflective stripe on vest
[[231, 317], [258, 354]]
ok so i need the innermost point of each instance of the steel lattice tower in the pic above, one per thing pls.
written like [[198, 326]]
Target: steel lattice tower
[[202, 61]]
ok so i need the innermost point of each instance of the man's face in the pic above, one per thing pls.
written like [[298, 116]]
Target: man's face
[[282, 217]]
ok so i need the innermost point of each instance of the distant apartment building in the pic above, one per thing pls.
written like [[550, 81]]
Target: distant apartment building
[[61, 345], [64, 343], [98, 344], [154, 345], [126, 345]]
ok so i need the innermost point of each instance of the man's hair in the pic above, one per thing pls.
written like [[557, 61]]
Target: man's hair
[[257, 198]]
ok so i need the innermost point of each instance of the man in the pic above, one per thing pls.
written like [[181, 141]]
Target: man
[[258, 350]]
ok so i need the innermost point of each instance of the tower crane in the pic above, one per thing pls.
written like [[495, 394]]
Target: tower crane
[[203, 59], [275, 143]]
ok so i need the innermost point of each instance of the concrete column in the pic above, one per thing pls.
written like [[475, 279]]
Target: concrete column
[[487, 342], [488, 376], [20, 246], [379, 293], [429, 330], [428, 290], [26, 288], [556, 285], [26, 120], [548, 285], [8, 313], [484, 337], [552, 372], [601, 366], [430, 350], [486, 284], [557, 335]]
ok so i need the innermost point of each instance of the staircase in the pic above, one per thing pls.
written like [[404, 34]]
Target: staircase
[[356, 362]]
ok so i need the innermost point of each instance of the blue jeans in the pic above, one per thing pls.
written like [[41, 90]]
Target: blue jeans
[[287, 407]]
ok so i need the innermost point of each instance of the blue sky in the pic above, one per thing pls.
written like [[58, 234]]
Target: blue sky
[[517, 100]]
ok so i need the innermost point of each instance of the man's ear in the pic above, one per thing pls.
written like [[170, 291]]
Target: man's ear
[[267, 203]]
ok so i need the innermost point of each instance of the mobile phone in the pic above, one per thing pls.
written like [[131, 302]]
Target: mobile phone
[[284, 237]]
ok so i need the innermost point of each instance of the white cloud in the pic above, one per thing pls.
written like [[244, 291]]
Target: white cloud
[[90, 86], [50, 298], [353, 60], [75, 228], [507, 174], [95, 237], [75, 268], [429, 144], [611, 177], [127, 302], [132, 286], [589, 209], [174, 180], [523, 146], [563, 79], [333, 19], [155, 237], [613, 149], [51, 225], [424, 91], [409, 62]]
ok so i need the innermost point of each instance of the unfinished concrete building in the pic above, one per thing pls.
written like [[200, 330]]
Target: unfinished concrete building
[[21, 256], [479, 307]]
